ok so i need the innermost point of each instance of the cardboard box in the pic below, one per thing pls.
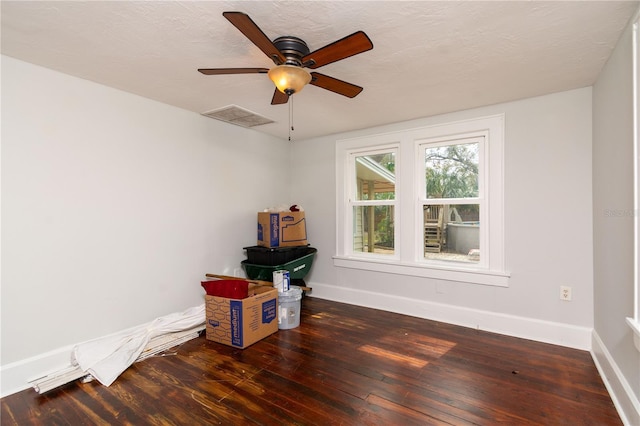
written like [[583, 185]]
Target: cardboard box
[[282, 229], [242, 322]]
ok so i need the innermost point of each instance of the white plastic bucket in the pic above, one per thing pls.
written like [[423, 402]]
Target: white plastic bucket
[[289, 308]]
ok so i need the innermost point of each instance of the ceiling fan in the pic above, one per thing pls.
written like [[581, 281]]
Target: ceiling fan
[[291, 56]]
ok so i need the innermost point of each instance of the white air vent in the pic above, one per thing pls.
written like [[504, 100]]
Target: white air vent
[[235, 115]]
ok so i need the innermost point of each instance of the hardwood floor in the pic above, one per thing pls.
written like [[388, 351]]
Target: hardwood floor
[[344, 365]]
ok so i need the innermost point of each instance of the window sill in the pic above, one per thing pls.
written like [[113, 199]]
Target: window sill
[[635, 326], [465, 275]]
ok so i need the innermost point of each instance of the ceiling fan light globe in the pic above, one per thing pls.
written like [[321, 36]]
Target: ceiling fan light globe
[[289, 79]]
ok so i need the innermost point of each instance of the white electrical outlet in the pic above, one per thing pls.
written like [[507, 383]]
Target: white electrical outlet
[[565, 293]]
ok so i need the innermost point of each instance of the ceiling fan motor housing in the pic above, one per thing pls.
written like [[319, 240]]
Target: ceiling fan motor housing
[[293, 49]]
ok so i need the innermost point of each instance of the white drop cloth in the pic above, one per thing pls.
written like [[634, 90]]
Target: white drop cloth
[[107, 357]]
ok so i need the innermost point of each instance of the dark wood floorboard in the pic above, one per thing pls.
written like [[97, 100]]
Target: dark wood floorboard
[[344, 365]]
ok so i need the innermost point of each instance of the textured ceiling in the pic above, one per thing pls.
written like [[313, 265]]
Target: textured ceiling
[[429, 57]]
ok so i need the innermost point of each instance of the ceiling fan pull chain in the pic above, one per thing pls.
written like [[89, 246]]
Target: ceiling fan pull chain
[[290, 116]]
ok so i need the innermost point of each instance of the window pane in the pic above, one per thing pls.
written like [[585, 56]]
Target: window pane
[[375, 175], [452, 171], [452, 232], [373, 229]]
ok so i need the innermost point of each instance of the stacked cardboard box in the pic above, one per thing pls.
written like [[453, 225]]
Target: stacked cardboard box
[[282, 229]]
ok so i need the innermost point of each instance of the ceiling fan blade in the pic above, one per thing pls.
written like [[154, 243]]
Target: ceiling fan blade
[[333, 84], [279, 98], [220, 71], [353, 44], [249, 28]]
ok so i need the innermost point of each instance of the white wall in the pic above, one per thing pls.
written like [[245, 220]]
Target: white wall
[[114, 206], [548, 228], [113, 209], [613, 215]]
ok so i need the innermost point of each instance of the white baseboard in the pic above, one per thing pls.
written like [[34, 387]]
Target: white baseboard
[[619, 389], [15, 377], [527, 328]]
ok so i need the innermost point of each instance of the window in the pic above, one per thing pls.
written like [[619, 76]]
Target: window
[[425, 202], [451, 199], [372, 200]]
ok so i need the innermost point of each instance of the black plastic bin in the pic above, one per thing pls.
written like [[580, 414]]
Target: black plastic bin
[[275, 256]]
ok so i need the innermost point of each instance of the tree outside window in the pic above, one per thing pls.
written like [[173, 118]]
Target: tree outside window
[[451, 207]]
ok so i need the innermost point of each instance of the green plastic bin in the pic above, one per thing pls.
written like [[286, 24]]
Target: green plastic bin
[[298, 268]]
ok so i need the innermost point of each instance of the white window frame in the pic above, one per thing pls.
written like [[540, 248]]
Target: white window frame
[[634, 322], [421, 145], [353, 202], [345, 176], [408, 258]]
